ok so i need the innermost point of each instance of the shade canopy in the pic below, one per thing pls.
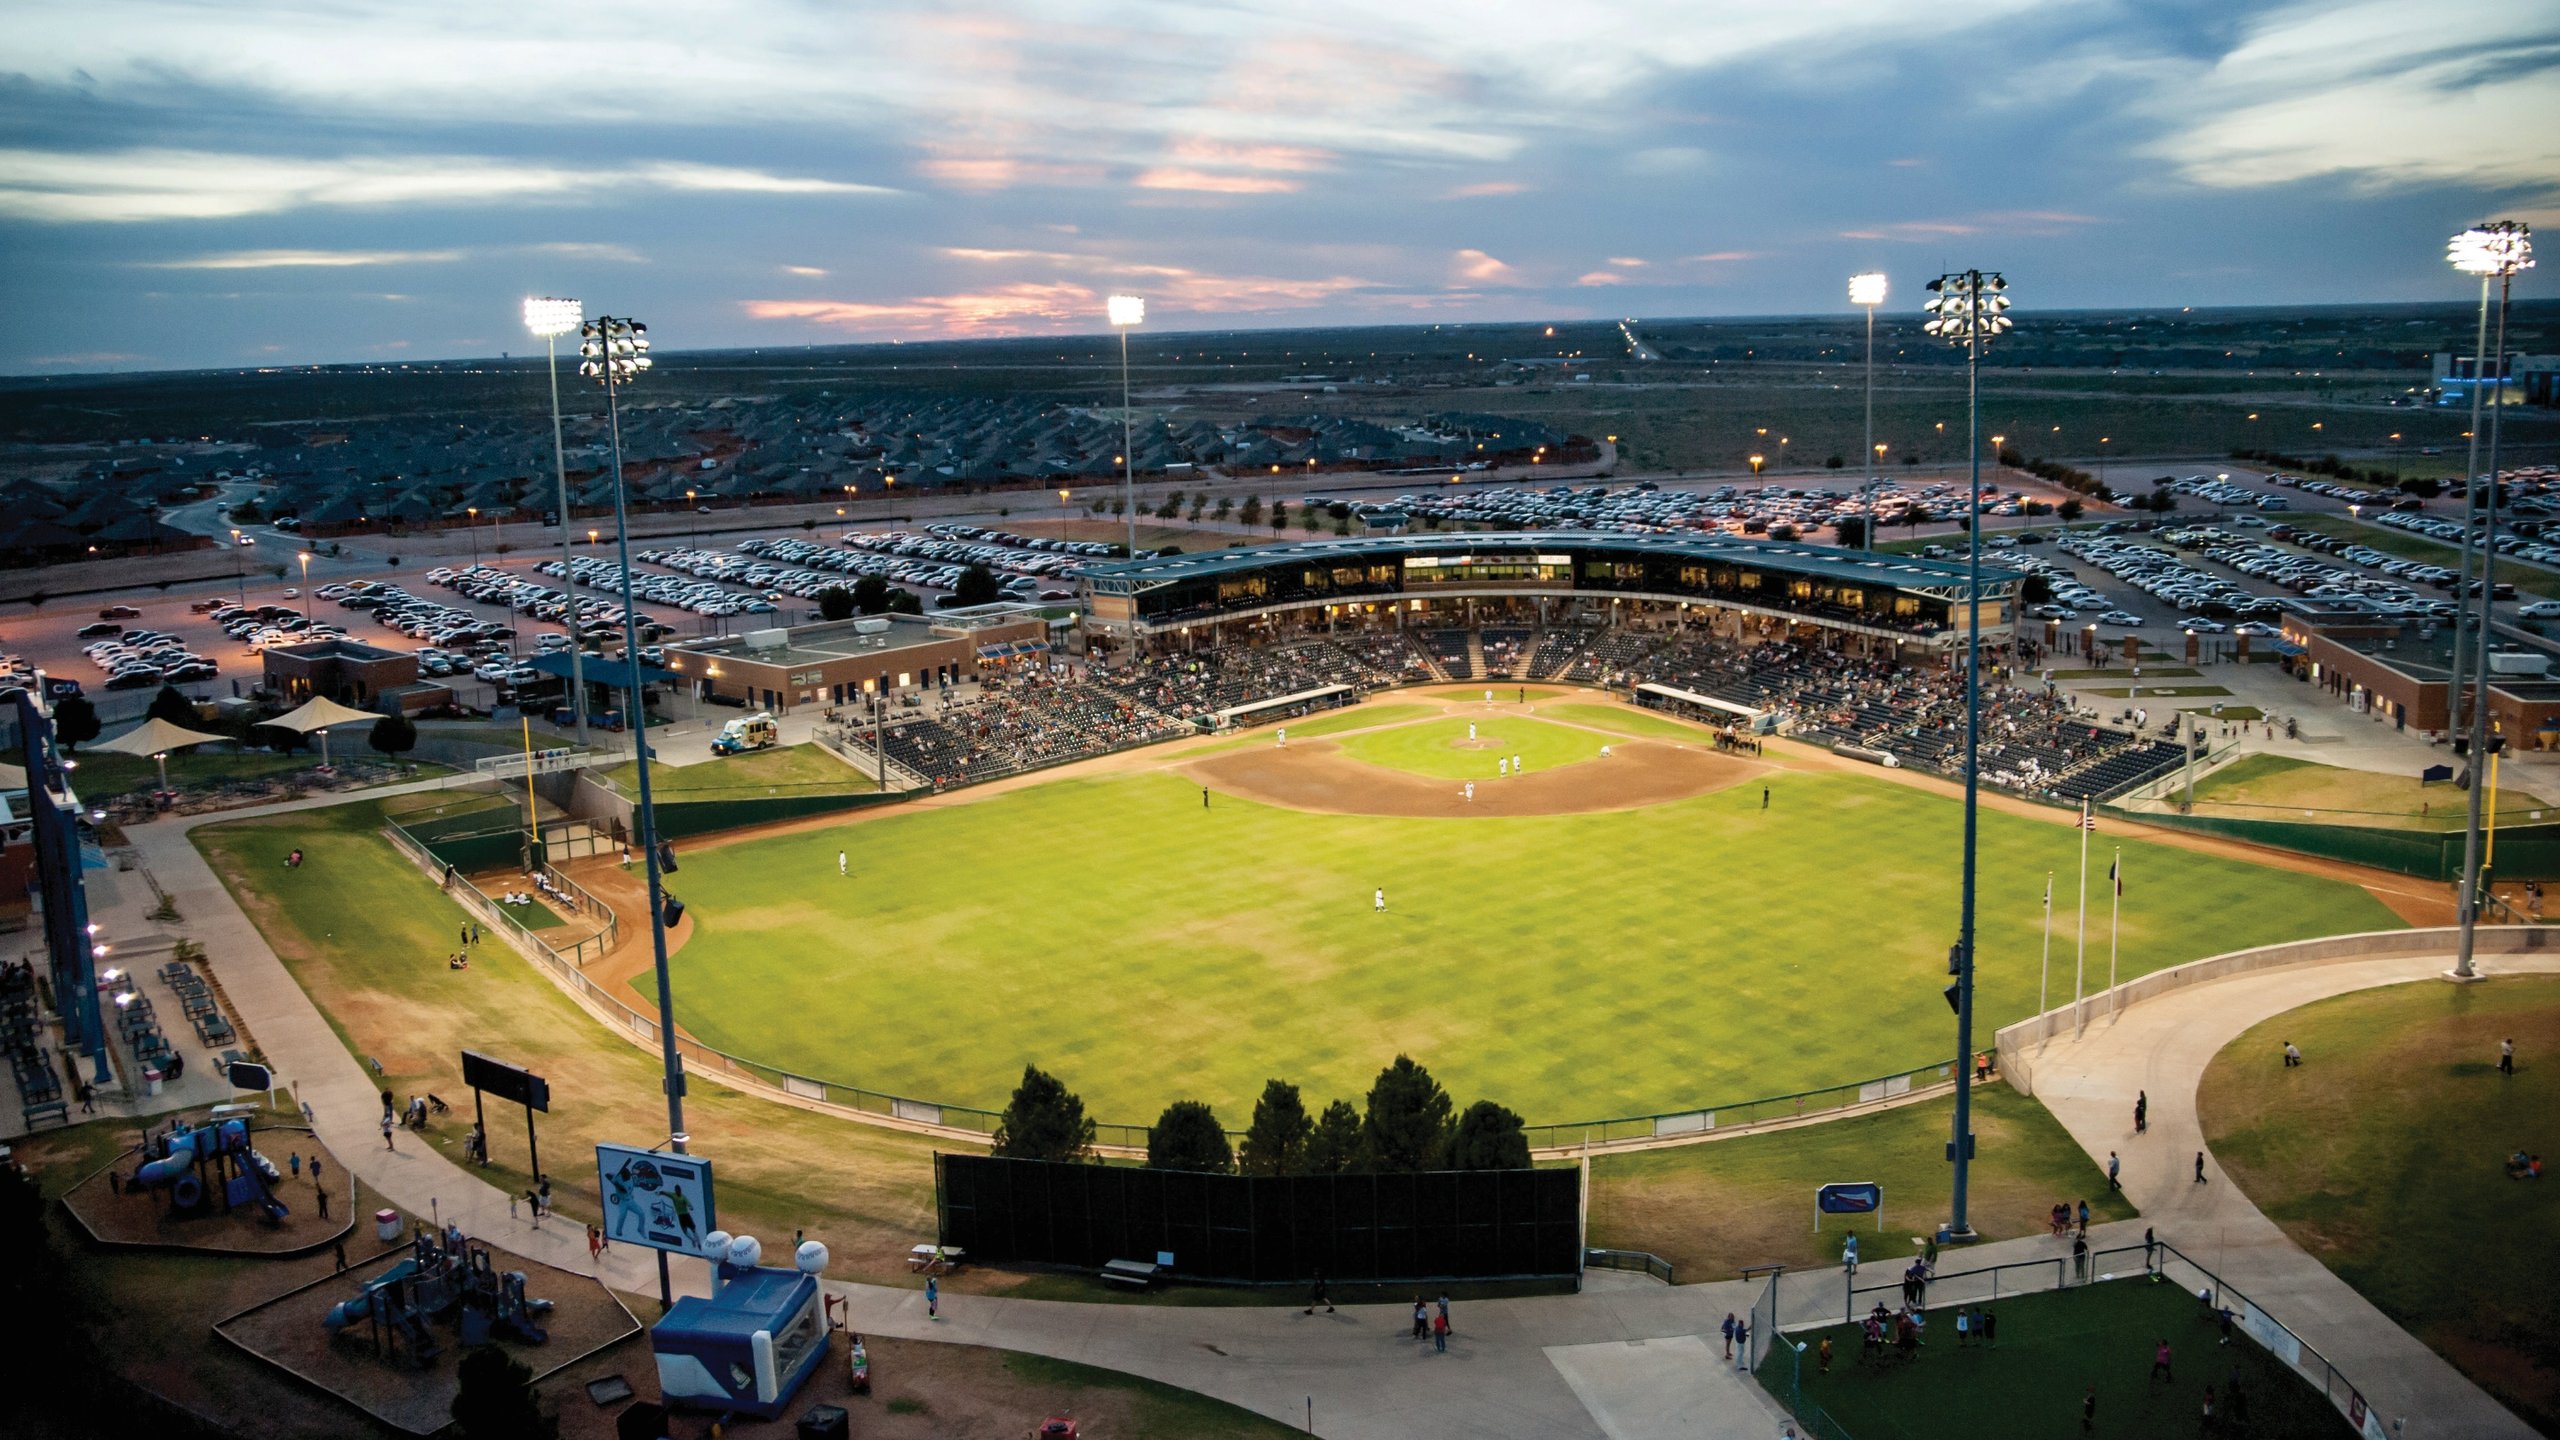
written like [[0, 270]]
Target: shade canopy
[[320, 713], [154, 736]]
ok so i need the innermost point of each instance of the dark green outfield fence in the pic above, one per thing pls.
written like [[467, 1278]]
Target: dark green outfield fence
[[678, 819], [480, 840], [2524, 852]]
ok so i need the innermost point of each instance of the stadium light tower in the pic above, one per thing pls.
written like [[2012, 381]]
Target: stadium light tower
[[1868, 290], [551, 318], [1968, 308], [1127, 312], [614, 352], [2499, 249]]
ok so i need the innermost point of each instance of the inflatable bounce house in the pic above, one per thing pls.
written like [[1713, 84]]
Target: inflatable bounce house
[[749, 1345]]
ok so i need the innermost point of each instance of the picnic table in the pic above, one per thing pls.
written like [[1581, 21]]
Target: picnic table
[[935, 1259]]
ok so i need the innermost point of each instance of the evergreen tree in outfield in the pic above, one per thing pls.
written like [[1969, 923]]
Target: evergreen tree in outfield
[[1188, 1137], [1276, 1143], [1044, 1121], [1408, 1121], [1489, 1137], [1335, 1145]]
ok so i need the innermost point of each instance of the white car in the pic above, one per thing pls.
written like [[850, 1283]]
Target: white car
[[2540, 609]]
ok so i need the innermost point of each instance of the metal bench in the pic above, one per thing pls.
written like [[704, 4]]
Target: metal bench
[[1136, 1274]]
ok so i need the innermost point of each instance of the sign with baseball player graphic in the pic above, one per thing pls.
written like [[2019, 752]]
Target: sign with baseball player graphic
[[656, 1199]]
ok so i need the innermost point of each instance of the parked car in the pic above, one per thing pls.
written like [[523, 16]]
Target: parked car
[[99, 631], [119, 612]]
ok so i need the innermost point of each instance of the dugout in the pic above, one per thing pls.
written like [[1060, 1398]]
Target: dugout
[[1264, 1229]]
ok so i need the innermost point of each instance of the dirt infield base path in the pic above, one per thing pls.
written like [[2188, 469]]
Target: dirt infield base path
[[1316, 775]]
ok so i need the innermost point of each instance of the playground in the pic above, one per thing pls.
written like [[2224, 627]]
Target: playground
[[385, 1335], [192, 1186]]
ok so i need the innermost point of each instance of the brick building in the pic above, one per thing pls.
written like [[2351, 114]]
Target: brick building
[[840, 661]]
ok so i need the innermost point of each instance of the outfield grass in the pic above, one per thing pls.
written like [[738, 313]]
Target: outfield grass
[[2382, 1156], [1627, 720], [1443, 748], [793, 769], [2053, 1347], [1505, 692], [536, 916], [1572, 966], [365, 933], [2277, 787], [1712, 1209]]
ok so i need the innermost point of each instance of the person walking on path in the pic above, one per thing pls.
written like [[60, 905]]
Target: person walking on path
[[340, 1248], [2292, 1056], [2115, 1172], [2141, 1111], [1317, 1296], [315, 1171], [2200, 1167], [1728, 1329], [2084, 1217], [323, 1192], [2080, 1257], [1379, 903], [932, 1299], [1444, 1309], [595, 1245], [294, 1162], [2160, 1364], [387, 1128], [1421, 1319], [543, 1200], [533, 1202], [1742, 1337], [1440, 1332], [2506, 1059]]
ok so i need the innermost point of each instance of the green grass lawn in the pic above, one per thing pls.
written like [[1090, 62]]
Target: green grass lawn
[[2382, 1155], [2052, 1347], [536, 916], [2277, 787], [1573, 967], [1332, 722], [792, 769], [1442, 748], [366, 933], [1628, 720], [1714, 1208], [1505, 692]]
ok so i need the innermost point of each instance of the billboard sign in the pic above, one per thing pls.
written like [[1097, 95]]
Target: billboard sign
[[1861, 1198], [655, 1199], [507, 1082]]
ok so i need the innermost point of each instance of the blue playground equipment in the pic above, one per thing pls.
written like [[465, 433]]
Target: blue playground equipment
[[749, 1346], [210, 1169], [446, 1279]]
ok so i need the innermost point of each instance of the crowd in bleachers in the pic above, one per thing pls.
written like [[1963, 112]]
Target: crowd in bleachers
[[1449, 650], [1040, 718], [1556, 648], [1502, 651]]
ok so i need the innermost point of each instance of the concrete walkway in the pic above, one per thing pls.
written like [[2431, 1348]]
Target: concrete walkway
[[2161, 1046], [1624, 1360]]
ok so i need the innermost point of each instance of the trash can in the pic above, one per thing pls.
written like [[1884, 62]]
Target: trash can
[[151, 1082], [386, 1226]]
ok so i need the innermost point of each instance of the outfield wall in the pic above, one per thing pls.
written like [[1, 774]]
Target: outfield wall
[[2524, 852], [2017, 1043]]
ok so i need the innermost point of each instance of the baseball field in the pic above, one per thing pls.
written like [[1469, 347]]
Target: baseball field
[[1656, 929]]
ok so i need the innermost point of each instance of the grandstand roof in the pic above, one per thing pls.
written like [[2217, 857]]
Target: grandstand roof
[[1868, 567]]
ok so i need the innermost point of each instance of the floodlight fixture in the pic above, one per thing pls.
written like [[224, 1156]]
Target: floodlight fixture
[[1127, 309], [2500, 247], [1867, 289], [549, 316], [613, 350], [1968, 308]]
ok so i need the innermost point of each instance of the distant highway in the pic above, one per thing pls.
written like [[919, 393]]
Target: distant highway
[[1636, 348]]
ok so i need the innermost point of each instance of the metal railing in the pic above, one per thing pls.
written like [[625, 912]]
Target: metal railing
[[1676, 1125], [1645, 1261], [529, 941]]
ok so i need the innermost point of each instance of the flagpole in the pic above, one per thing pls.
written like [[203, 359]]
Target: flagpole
[[2115, 911], [2044, 972], [2080, 953]]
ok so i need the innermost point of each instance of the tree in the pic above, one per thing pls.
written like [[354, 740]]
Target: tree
[[1407, 1124], [75, 722], [1119, 505], [1276, 1144], [1250, 513], [1489, 1137], [870, 595], [1310, 519], [1199, 504], [496, 1399], [393, 735], [1279, 514], [1851, 531], [1335, 1145], [905, 602], [172, 705], [977, 586], [1226, 505], [836, 602], [2070, 509], [1187, 1136], [276, 738], [1835, 462], [1100, 505], [1044, 1121]]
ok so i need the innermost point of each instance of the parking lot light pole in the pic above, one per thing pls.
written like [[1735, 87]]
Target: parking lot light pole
[[239, 573], [2498, 249], [305, 557], [1868, 290], [615, 351], [1127, 312], [552, 318], [1968, 308], [471, 523]]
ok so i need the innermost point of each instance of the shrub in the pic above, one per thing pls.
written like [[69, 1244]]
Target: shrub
[[1489, 1137], [1044, 1121]]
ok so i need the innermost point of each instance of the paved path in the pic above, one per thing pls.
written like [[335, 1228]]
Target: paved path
[[1620, 1361], [2161, 1046]]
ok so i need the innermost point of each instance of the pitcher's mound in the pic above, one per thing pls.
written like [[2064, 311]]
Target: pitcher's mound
[[1317, 776]]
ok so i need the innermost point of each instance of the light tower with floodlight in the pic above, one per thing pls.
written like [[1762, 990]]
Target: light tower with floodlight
[[551, 318], [614, 352], [1127, 312], [1868, 290], [1968, 308], [2499, 249]]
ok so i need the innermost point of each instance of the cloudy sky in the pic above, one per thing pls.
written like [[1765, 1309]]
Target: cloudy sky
[[234, 182]]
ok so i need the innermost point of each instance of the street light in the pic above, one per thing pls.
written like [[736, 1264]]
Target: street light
[[1756, 462], [2499, 249], [1127, 312], [239, 574], [551, 318], [472, 524], [1868, 290], [1968, 308], [305, 557], [614, 352]]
